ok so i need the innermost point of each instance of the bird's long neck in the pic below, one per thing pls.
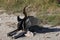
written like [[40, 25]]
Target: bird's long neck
[[24, 11]]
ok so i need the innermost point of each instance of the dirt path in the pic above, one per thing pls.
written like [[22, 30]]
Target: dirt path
[[8, 23]]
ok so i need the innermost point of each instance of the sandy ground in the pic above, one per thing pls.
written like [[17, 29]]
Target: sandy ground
[[8, 23]]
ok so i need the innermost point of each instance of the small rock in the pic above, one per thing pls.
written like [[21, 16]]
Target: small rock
[[57, 34], [48, 37]]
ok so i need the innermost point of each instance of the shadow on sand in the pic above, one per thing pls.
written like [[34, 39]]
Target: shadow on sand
[[38, 29]]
